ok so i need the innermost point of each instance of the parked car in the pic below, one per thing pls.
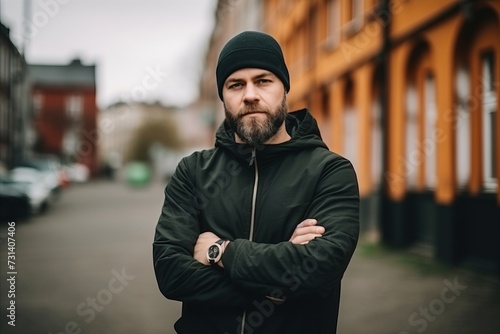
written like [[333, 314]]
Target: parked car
[[14, 200], [78, 173], [51, 169], [40, 195]]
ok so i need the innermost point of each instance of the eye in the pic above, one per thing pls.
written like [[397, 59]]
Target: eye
[[263, 81], [235, 85]]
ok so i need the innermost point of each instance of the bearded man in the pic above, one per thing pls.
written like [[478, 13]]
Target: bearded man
[[256, 233]]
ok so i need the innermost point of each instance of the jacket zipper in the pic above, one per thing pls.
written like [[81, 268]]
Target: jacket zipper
[[253, 161], [254, 193]]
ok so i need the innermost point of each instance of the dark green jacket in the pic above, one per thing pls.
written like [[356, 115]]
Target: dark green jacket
[[256, 198]]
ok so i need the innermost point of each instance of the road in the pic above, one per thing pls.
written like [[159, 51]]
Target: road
[[85, 267]]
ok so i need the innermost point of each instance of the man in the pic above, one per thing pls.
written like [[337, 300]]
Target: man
[[256, 233]]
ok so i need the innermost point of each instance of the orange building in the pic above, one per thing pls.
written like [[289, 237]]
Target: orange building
[[408, 90]]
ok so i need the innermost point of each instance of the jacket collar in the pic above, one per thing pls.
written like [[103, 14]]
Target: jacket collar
[[301, 126]]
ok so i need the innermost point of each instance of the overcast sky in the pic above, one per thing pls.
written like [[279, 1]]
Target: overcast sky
[[140, 47]]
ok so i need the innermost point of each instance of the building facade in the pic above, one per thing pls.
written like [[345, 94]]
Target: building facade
[[16, 130], [65, 112], [231, 17], [408, 90]]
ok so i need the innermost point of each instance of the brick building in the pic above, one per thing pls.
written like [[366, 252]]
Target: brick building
[[65, 111]]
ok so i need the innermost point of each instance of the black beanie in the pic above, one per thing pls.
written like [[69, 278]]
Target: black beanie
[[251, 49]]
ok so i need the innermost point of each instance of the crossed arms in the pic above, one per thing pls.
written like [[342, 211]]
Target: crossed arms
[[306, 231], [325, 244]]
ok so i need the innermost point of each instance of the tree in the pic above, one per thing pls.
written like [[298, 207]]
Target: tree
[[161, 130]]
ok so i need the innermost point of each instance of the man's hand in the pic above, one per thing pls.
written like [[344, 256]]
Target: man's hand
[[200, 249], [306, 231]]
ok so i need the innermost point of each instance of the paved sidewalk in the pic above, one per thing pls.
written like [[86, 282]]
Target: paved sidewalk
[[399, 292]]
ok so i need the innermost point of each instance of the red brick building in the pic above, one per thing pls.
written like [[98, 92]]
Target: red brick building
[[65, 112]]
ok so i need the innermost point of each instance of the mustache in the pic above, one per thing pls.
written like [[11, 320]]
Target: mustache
[[251, 108]]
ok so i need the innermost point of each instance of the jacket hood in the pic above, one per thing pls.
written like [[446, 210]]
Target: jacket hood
[[300, 125]]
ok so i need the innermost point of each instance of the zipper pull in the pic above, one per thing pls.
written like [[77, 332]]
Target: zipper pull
[[252, 159]]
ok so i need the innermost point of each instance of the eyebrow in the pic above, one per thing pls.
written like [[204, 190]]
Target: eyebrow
[[258, 76]]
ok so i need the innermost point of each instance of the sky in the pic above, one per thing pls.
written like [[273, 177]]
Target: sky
[[143, 49]]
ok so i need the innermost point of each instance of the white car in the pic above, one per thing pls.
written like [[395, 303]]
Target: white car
[[36, 188], [78, 173], [51, 170]]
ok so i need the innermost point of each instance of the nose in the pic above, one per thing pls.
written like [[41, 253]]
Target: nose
[[250, 95]]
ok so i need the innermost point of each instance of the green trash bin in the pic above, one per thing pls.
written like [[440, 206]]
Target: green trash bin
[[138, 173]]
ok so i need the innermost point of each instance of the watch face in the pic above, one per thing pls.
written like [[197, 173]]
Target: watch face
[[213, 252]]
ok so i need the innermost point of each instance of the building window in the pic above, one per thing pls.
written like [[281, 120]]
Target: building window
[[376, 141], [462, 127], [333, 23], [74, 106], [350, 135], [69, 142], [302, 45], [37, 103], [429, 142], [412, 158], [4, 116], [355, 17], [350, 125], [313, 35], [490, 105], [358, 13], [325, 116], [4, 66]]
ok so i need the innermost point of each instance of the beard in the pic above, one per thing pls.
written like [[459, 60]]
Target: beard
[[253, 130]]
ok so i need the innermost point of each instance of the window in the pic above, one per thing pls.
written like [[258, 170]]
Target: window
[[358, 12], [302, 51], [462, 127], [326, 130], [70, 142], [4, 116], [376, 142], [350, 133], [74, 106], [313, 35], [489, 104], [412, 158], [350, 125], [37, 103], [356, 18], [429, 142], [333, 23]]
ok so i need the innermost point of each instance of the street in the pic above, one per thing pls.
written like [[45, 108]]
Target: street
[[85, 266]]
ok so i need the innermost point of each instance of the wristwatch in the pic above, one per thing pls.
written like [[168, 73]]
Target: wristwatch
[[214, 252]]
